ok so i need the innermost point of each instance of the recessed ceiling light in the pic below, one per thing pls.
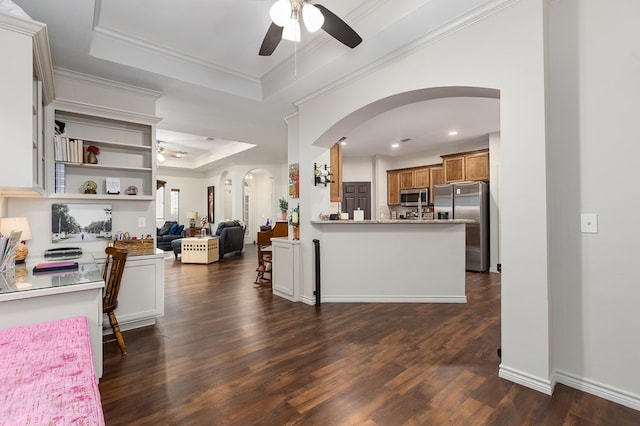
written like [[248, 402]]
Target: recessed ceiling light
[[395, 145], [453, 132], [343, 143]]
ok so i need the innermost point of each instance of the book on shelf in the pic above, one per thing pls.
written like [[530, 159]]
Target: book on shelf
[[59, 178], [68, 150]]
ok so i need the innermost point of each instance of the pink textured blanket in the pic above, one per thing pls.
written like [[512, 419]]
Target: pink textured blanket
[[47, 375]]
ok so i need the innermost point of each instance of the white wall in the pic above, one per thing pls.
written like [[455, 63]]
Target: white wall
[[595, 88], [357, 169], [478, 55], [193, 194]]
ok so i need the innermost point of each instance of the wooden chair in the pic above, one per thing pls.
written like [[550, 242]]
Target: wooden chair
[[263, 239], [263, 279], [112, 275]]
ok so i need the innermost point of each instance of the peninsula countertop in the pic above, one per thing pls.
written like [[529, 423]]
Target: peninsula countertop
[[393, 222]]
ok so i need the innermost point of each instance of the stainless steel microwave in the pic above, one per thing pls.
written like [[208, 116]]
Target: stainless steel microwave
[[414, 197]]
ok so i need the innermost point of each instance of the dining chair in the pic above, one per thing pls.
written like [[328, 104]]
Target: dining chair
[[112, 275]]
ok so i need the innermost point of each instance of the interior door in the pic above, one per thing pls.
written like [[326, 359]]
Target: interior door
[[354, 195]]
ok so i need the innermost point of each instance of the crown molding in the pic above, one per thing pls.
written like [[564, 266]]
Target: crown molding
[[105, 82]]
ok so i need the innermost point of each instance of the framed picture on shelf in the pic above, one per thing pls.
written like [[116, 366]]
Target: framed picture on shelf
[[211, 198]]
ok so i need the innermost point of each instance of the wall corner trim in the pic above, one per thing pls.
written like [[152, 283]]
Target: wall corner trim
[[525, 379]]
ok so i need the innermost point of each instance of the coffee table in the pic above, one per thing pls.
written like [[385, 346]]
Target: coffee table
[[199, 250]]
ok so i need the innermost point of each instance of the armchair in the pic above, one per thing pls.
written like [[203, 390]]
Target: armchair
[[230, 237]]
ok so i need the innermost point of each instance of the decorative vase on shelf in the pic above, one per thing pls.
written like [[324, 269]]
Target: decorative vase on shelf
[[283, 215], [296, 233], [92, 158]]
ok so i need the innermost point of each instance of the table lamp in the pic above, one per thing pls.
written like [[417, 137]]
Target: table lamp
[[192, 216], [10, 224]]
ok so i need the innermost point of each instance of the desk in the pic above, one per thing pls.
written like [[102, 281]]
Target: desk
[[29, 299]]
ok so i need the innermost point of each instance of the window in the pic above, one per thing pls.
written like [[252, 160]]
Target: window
[[174, 213], [160, 199]]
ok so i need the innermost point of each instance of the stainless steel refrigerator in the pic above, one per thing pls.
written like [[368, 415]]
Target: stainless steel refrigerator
[[468, 200]]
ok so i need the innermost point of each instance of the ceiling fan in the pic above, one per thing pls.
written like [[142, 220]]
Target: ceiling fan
[[162, 152], [285, 17]]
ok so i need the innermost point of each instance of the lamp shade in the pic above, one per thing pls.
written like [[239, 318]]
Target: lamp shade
[[291, 30], [192, 215], [312, 17], [10, 224], [280, 12]]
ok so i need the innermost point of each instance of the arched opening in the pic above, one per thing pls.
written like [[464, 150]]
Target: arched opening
[[225, 201], [257, 201]]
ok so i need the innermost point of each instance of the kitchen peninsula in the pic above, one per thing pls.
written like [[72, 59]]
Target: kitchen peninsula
[[392, 260]]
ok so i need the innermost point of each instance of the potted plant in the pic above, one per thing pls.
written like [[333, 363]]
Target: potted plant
[[284, 206]]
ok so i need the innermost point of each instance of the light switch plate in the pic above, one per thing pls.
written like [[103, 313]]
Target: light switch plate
[[589, 223], [141, 222]]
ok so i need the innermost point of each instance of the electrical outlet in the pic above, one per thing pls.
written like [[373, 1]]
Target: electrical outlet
[[142, 222], [589, 223]]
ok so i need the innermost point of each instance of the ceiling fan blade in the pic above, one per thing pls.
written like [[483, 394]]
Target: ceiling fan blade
[[338, 29], [271, 40]]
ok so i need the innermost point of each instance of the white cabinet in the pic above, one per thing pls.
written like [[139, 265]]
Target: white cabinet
[[127, 151], [286, 268], [26, 86], [141, 296]]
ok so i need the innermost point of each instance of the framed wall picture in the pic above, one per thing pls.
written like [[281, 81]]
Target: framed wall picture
[[211, 198], [294, 181]]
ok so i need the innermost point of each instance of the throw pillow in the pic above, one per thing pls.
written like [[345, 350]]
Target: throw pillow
[[180, 230], [172, 230], [165, 228]]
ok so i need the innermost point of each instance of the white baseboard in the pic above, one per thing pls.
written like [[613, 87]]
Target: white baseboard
[[525, 379], [599, 389]]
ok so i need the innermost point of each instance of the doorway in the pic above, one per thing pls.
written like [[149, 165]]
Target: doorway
[[356, 195]]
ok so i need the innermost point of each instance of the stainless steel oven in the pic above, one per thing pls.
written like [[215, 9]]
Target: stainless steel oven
[[414, 197]]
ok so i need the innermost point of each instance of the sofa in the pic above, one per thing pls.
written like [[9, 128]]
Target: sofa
[[170, 231], [230, 237]]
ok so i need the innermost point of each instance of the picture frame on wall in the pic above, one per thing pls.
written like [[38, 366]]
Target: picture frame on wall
[[211, 198], [294, 180]]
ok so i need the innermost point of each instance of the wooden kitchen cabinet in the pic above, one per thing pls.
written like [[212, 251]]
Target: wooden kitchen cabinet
[[477, 166], [436, 177], [393, 188], [467, 166], [421, 178], [453, 168], [406, 179], [335, 159]]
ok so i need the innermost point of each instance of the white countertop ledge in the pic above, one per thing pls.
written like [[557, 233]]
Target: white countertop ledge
[[393, 222]]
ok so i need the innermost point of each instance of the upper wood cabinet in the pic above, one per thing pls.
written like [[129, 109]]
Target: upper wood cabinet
[[468, 166], [436, 177], [336, 173], [406, 179], [421, 178], [453, 168], [393, 188], [477, 166]]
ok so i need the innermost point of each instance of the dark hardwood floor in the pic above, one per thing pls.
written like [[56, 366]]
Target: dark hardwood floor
[[225, 354]]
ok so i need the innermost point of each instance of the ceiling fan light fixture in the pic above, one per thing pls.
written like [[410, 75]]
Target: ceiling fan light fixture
[[291, 31], [280, 12], [312, 17]]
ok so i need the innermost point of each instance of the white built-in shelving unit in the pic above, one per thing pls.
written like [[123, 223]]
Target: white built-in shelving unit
[[127, 151]]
